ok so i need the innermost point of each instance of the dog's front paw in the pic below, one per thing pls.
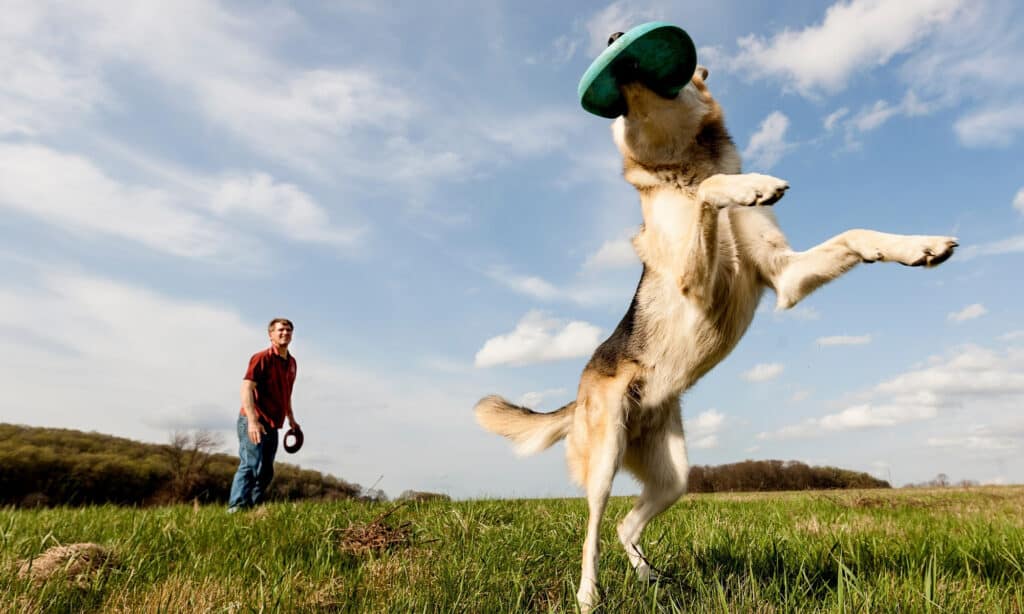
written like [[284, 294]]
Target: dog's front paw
[[747, 190], [929, 251]]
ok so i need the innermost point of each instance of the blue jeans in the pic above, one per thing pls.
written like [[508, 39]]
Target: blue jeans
[[256, 466]]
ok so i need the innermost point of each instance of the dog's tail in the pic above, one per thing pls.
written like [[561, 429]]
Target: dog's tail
[[530, 431]]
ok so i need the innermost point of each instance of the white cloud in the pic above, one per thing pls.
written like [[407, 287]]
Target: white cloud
[[991, 127], [1012, 335], [587, 291], [844, 340], [281, 206], [539, 132], [618, 16], [970, 376], [833, 118], [800, 395], [969, 312], [561, 51], [1018, 200], [102, 339], [801, 313], [613, 254], [529, 285], [976, 441], [979, 51], [702, 431], [709, 421], [534, 399], [199, 217], [875, 116], [768, 144], [763, 372], [704, 443], [310, 111], [538, 338], [58, 62], [1011, 245], [86, 201], [859, 35], [867, 416], [41, 79], [881, 111], [857, 417]]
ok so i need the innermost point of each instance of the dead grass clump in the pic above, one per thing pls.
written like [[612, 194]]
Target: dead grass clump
[[79, 563], [376, 536], [880, 502], [181, 594], [332, 596]]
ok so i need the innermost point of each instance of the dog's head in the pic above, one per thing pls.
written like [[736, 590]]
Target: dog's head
[[656, 131]]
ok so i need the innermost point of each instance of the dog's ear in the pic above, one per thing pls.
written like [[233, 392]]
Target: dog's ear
[[614, 37], [703, 72]]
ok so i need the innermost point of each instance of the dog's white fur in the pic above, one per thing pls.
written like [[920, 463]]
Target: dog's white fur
[[710, 247]]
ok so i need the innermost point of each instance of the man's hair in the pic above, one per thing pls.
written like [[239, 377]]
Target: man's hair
[[276, 321]]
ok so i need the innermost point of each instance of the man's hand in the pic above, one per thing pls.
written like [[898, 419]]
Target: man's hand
[[293, 424], [256, 431]]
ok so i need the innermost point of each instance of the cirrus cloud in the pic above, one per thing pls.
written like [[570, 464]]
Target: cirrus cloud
[[969, 312]]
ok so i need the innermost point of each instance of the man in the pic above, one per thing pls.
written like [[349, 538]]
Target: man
[[266, 402]]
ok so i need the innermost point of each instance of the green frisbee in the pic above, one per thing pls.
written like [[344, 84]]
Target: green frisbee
[[658, 54]]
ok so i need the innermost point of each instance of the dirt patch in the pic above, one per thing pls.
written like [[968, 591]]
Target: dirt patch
[[79, 563], [375, 536]]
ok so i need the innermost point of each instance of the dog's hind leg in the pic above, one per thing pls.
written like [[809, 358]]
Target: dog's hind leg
[[658, 459], [605, 405], [794, 275]]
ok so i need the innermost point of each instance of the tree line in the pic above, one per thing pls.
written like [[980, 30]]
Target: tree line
[[49, 466], [770, 475]]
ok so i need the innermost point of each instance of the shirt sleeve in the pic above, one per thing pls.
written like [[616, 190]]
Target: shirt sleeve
[[255, 371]]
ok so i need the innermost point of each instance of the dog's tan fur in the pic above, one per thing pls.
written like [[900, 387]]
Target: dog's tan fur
[[709, 246]]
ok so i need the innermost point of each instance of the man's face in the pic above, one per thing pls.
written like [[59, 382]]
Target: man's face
[[281, 335]]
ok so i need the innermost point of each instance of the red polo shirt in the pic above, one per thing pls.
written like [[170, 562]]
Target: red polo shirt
[[274, 377]]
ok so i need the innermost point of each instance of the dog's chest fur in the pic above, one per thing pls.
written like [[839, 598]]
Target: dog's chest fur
[[681, 338]]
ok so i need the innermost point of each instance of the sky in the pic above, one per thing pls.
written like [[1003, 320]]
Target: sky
[[416, 186]]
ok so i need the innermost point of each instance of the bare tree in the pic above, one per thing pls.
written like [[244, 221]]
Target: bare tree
[[188, 454]]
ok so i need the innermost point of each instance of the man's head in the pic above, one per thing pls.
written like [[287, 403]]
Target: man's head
[[280, 331]]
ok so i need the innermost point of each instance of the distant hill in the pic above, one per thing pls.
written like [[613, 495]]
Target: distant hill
[[46, 466]]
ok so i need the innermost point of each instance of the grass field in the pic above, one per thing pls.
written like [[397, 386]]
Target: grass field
[[948, 550]]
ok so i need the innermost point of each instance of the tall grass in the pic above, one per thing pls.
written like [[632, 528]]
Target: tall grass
[[944, 550]]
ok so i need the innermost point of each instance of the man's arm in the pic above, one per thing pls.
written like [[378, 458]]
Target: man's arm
[[256, 429], [288, 411], [291, 417]]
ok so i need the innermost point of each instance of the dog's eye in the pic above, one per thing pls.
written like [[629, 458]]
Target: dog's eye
[[614, 37]]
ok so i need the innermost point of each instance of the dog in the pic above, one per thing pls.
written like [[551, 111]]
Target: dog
[[710, 247]]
